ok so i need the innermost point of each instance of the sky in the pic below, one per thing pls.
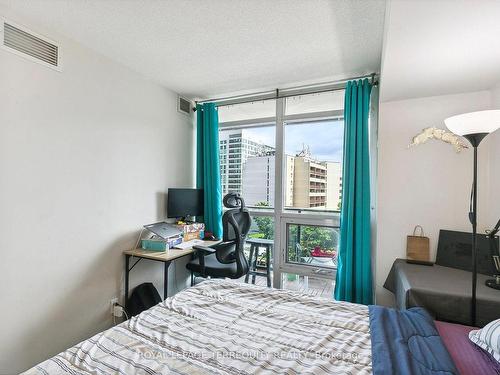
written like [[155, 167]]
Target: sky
[[325, 138]]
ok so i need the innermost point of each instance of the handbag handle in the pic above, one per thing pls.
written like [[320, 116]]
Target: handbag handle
[[421, 230]]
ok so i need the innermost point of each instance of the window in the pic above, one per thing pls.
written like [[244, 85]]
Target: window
[[250, 162], [247, 111], [312, 245], [313, 162], [314, 103], [262, 227], [285, 157]]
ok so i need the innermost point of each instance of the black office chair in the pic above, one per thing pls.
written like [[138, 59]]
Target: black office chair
[[225, 259]]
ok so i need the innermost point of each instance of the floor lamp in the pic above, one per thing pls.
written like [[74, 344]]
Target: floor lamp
[[474, 126]]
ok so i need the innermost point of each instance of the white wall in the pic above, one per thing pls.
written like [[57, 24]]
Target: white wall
[[495, 164], [86, 156], [429, 184]]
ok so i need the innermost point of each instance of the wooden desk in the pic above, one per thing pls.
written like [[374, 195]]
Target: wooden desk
[[160, 256]]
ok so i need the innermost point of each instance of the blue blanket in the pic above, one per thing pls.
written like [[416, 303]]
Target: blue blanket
[[407, 343]]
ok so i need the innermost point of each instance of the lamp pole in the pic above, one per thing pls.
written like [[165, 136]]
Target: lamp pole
[[475, 140], [474, 126]]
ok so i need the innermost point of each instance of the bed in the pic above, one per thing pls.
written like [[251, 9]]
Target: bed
[[225, 327], [468, 358]]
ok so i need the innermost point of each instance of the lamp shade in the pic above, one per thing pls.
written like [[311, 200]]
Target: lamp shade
[[474, 122]]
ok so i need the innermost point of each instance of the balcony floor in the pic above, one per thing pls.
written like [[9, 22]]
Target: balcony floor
[[313, 286]]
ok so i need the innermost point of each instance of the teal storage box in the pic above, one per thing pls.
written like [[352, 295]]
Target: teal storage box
[[154, 245]]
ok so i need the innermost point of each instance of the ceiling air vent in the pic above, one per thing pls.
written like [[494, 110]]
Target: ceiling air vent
[[184, 105], [26, 44]]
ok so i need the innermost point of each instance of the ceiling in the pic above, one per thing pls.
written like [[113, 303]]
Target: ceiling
[[205, 48], [440, 47]]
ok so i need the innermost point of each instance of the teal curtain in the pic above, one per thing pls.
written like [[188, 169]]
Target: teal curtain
[[208, 166], [354, 270]]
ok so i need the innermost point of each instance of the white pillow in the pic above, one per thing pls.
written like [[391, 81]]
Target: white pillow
[[488, 338]]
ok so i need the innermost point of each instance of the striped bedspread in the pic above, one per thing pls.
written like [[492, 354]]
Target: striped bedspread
[[224, 327]]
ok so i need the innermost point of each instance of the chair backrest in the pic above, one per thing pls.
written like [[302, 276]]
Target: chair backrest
[[236, 224]]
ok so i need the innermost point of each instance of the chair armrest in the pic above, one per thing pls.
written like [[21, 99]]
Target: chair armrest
[[203, 250]]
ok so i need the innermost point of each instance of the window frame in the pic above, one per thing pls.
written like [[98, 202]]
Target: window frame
[[285, 216]]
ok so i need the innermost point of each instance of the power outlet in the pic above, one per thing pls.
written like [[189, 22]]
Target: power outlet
[[112, 302]]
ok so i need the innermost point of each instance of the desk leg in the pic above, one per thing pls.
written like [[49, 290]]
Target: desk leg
[[165, 280], [127, 271]]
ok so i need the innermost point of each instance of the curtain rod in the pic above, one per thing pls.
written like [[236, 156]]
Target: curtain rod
[[287, 92]]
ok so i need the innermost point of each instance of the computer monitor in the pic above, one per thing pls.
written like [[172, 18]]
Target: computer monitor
[[455, 250], [184, 203]]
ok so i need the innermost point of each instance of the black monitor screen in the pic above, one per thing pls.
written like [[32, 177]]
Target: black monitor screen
[[184, 202], [455, 250]]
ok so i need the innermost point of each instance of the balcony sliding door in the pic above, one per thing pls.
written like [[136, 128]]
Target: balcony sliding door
[[285, 157]]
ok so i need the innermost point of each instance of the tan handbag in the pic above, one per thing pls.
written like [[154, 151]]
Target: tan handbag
[[417, 247]]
